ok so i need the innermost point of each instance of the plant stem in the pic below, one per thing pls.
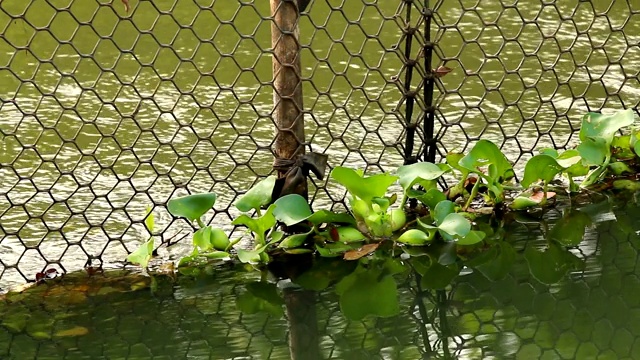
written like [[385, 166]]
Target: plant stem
[[474, 192], [200, 223]]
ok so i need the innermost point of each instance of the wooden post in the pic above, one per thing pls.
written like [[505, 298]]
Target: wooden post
[[287, 83]]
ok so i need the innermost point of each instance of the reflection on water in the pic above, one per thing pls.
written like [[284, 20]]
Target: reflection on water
[[230, 313], [104, 113]]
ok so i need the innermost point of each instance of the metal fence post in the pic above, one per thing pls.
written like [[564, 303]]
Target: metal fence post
[[429, 82]]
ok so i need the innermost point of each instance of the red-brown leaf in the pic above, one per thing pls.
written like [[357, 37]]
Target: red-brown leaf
[[363, 251], [333, 232], [539, 195], [442, 71]]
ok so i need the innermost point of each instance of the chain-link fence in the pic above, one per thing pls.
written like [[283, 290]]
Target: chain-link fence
[[105, 112]]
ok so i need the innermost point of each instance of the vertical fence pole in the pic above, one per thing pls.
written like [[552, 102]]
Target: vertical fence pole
[[287, 85], [429, 81]]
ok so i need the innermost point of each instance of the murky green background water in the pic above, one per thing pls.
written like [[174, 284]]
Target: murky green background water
[[589, 314], [105, 113]]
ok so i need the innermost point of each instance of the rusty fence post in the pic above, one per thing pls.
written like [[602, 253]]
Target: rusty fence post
[[287, 86]]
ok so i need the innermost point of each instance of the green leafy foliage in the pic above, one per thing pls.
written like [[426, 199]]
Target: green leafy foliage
[[423, 173], [258, 196], [364, 187], [142, 255], [540, 167], [292, 209], [192, 207], [486, 154], [259, 225]]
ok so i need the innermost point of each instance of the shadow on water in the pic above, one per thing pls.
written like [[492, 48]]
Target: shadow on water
[[563, 284]]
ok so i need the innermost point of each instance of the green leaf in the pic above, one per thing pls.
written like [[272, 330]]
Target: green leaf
[[329, 217], [550, 152], [570, 229], [216, 255], [275, 236], [522, 202], [634, 144], [251, 256], [258, 196], [219, 239], [365, 292], [442, 210], [486, 153], [258, 225], [422, 173], [142, 255], [430, 199], [294, 241], [571, 160], [292, 209], [261, 297], [202, 239], [551, 265], [416, 237], [618, 168], [191, 207], [366, 188], [500, 265], [149, 221], [453, 160], [540, 167], [626, 184], [472, 238], [594, 151], [595, 125], [348, 234], [438, 276], [455, 225]]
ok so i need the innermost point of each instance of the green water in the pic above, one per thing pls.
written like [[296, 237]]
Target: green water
[[105, 113], [591, 313]]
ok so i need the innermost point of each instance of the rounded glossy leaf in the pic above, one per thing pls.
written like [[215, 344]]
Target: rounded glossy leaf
[[442, 210], [422, 173], [292, 209], [455, 225], [191, 207], [349, 234], [365, 188], [294, 241], [397, 218], [485, 153], [219, 239], [540, 167], [258, 196], [596, 125], [325, 217], [416, 237], [472, 238], [522, 202]]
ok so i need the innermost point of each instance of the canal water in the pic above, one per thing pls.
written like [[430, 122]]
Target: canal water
[[535, 299]]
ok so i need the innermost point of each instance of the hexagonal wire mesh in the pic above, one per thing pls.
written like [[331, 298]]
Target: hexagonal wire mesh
[[105, 113]]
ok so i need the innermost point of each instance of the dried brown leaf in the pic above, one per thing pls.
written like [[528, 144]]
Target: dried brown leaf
[[362, 251]]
